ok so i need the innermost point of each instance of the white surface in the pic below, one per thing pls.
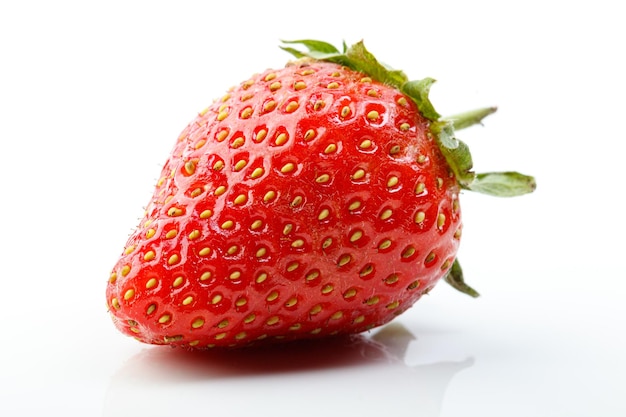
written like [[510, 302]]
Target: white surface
[[92, 96]]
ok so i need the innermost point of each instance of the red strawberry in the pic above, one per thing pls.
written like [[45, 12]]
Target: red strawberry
[[317, 199]]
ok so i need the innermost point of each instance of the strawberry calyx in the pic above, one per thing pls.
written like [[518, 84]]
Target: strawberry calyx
[[456, 152]]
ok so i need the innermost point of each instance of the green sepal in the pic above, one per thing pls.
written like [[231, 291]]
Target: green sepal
[[503, 184], [454, 277], [470, 118], [460, 161], [418, 90]]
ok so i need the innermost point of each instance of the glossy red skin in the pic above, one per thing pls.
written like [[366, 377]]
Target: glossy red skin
[[231, 308]]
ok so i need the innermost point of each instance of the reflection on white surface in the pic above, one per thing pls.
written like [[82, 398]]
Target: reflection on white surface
[[356, 375]]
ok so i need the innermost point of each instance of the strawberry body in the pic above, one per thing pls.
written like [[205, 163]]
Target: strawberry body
[[308, 201]]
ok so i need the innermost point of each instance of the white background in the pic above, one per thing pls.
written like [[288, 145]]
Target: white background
[[93, 95]]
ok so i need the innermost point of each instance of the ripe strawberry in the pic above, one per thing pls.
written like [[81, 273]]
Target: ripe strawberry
[[317, 199]]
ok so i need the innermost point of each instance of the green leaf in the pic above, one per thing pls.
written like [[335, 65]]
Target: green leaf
[[359, 57], [314, 46], [444, 129], [503, 184], [418, 90], [454, 277], [470, 118], [460, 161]]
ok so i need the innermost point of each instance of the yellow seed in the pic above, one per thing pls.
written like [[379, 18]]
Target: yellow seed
[[247, 84], [391, 279], [337, 315], [257, 173], [291, 302], [261, 252], [221, 135], [129, 294], [194, 234], [431, 257], [344, 260], [197, 323], [204, 251], [261, 277], [324, 178], [261, 134], [194, 343], [421, 159], [402, 101], [366, 80], [330, 149], [441, 220], [292, 106], [220, 336], [345, 111], [385, 244], [372, 93], [349, 293], [408, 252], [206, 275], [235, 275], [200, 143], [272, 320], [178, 281], [125, 270], [413, 285], [228, 224], [241, 335], [190, 167], [299, 85], [281, 139], [150, 233], [420, 216], [439, 183], [151, 309], [323, 214], [386, 214], [240, 165], [288, 167], [327, 242], [367, 269], [309, 134], [112, 278], [129, 250], [257, 224], [445, 265], [173, 259], [220, 190], [355, 205], [249, 319], [318, 105], [298, 243], [405, 127], [242, 301], [287, 229], [311, 276], [392, 181], [164, 318], [270, 76], [372, 300], [393, 305], [358, 174], [269, 196], [115, 303], [216, 299], [295, 327], [366, 144], [457, 234], [222, 115], [333, 85], [315, 310], [206, 214], [196, 192], [152, 282], [171, 234], [150, 255], [275, 86], [297, 200], [356, 236], [420, 187], [272, 296], [188, 300], [293, 266], [174, 212], [222, 324], [358, 319], [267, 107], [307, 72], [317, 330], [240, 199], [373, 115]]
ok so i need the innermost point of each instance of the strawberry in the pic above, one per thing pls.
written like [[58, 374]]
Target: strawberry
[[317, 199]]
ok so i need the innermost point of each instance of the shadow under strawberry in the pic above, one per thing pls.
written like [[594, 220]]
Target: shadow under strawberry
[[366, 375]]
